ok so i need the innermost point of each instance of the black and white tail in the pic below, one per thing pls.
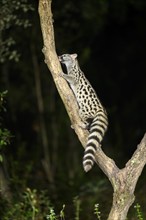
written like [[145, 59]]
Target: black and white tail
[[97, 131]]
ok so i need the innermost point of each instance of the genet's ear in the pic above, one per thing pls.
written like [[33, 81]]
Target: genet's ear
[[74, 55]]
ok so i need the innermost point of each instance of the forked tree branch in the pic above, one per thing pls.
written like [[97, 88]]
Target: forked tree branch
[[124, 180]]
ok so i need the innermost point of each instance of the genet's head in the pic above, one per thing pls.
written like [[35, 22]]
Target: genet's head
[[68, 59]]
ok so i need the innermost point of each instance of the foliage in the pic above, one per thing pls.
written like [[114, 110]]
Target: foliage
[[31, 205], [2, 96], [138, 212], [109, 37], [52, 215], [4, 140], [77, 204], [34, 204], [62, 214], [97, 212], [4, 133], [10, 18]]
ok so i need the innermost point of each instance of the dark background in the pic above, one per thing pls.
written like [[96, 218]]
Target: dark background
[[110, 40]]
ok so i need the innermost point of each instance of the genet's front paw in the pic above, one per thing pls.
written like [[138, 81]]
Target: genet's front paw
[[83, 126], [61, 74]]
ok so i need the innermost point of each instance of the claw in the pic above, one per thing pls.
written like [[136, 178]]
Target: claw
[[61, 74]]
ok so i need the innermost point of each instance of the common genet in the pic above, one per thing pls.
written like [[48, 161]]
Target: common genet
[[91, 111]]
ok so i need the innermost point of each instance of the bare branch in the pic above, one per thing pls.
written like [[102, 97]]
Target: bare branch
[[53, 64], [66, 94], [124, 180], [136, 164]]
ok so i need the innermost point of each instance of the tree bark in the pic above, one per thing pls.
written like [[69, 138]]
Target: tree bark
[[122, 180]]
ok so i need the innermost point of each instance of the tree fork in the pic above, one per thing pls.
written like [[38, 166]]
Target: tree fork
[[123, 180]]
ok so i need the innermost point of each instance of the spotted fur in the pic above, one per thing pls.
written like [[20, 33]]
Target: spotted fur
[[91, 111]]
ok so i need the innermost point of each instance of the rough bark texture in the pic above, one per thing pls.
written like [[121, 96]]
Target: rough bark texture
[[122, 180], [51, 59]]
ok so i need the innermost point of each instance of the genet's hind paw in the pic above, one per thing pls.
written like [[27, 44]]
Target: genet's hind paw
[[84, 126], [61, 74]]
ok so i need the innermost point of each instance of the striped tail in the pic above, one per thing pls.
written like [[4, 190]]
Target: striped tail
[[97, 131]]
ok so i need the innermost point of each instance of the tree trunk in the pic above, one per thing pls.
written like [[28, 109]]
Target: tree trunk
[[122, 180], [43, 132]]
